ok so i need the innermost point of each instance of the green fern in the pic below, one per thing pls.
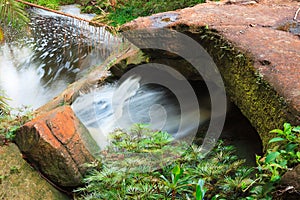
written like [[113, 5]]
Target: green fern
[[4, 108], [178, 179], [12, 13]]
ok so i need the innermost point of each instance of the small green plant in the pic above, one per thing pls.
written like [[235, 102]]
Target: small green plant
[[10, 135], [288, 143], [122, 173], [52, 4], [4, 108], [13, 20], [283, 155], [178, 183], [200, 190], [189, 174], [12, 14], [14, 170], [11, 121]]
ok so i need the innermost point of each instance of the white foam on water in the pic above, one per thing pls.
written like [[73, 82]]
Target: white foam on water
[[120, 106]]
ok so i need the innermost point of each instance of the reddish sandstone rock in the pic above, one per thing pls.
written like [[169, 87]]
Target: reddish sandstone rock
[[57, 144], [256, 48]]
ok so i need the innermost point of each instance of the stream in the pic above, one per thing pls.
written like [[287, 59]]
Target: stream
[[57, 51]]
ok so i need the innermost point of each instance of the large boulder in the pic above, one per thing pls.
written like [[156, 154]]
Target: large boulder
[[18, 180], [58, 145], [56, 142]]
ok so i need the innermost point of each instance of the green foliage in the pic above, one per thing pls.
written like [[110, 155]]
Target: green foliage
[[4, 108], [12, 13], [169, 169], [200, 190], [12, 18], [10, 123], [52, 4], [287, 148], [178, 184], [121, 16], [124, 10], [67, 2], [286, 151], [140, 150], [188, 175], [278, 159]]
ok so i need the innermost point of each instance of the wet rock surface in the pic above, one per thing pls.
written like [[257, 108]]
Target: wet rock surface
[[258, 57], [55, 142], [291, 183], [18, 180], [58, 145], [128, 55]]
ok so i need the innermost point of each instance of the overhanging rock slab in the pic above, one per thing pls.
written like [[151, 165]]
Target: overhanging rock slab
[[256, 47]]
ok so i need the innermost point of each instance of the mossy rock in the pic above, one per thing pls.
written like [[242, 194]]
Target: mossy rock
[[18, 180]]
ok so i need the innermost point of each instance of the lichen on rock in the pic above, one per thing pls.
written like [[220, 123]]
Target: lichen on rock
[[18, 180]]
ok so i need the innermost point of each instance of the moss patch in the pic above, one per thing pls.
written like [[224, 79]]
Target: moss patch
[[258, 101], [20, 181]]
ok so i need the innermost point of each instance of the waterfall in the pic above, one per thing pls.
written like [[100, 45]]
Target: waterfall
[[115, 106], [55, 51]]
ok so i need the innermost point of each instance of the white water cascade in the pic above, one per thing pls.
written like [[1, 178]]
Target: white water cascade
[[115, 106], [38, 64]]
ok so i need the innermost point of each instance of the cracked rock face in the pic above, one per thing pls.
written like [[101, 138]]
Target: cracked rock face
[[55, 144]]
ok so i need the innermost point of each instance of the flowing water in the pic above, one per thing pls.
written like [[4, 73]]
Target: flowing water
[[51, 54], [120, 106], [54, 53]]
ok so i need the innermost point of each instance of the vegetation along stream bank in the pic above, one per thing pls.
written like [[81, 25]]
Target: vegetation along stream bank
[[88, 130]]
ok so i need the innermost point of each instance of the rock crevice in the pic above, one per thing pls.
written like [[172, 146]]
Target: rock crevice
[[53, 144]]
